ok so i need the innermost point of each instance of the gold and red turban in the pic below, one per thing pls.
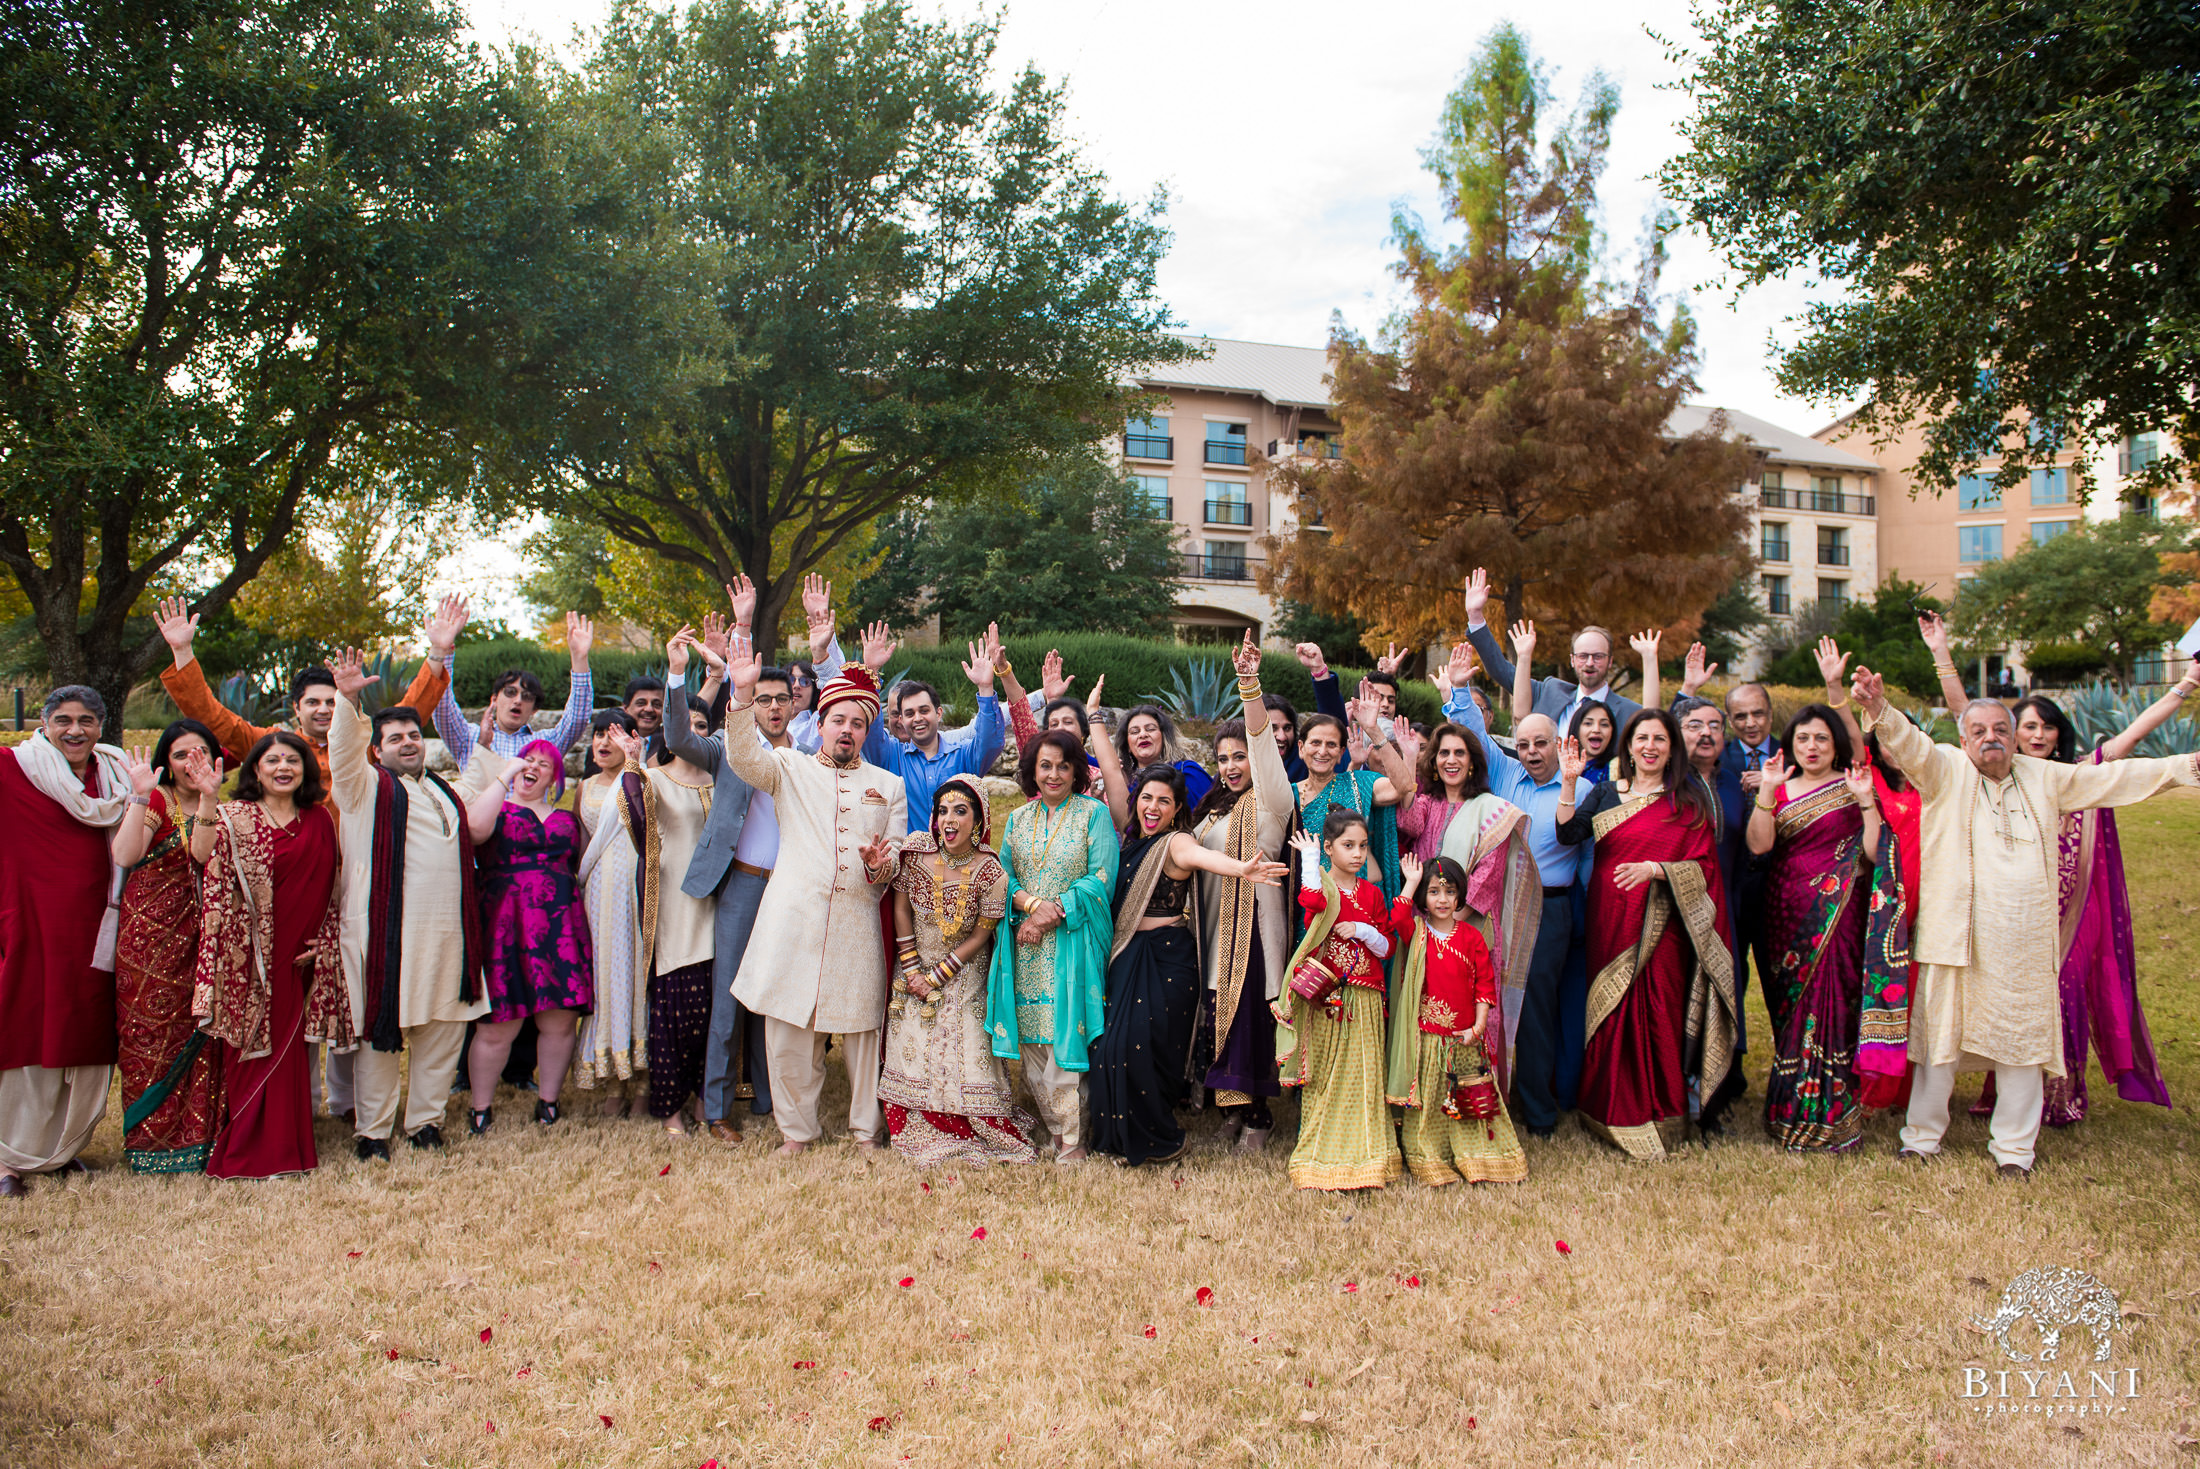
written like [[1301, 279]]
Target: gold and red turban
[[853, 684]]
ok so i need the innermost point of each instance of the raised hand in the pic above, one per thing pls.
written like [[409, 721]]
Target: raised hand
[[1311, 659], [1358, 747], [1934, 630], [488, 723], [1695, 673], [1459, 669], [978, 667], [1478, 594], [1409, 743], [580, 636], [1573, 761], [349, 668], [1775, 770], [715, 628], [1092, 698], [879, 644], [741, 597], [744, 666], [876, 852], [178, 626], [1409, 872], [1390, 660], [1869, 690], [1363, 710], [1303, 843], [138, 762], [1523, 641], [202, 773], [627, 742], [1832, 662], [445, 624], [1645, 645], [1859, 779], [676, 653], [817, 598], [1245, 658]]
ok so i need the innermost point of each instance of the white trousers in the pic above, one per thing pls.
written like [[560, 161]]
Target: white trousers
[[794, 1055], [1058, 1095], [341, 1094], [434, 1049], [2018, 1091]]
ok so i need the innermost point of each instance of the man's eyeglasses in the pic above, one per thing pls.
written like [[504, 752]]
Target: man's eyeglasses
[[775, 699]]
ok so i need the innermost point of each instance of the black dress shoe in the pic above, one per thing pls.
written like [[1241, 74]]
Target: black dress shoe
[[1546, 1133], [479, 1118], [12, 1186], [546, 1111], [371, 1147], [430, 1136]]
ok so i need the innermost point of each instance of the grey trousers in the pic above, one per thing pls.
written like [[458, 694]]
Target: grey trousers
[[730, 1020]]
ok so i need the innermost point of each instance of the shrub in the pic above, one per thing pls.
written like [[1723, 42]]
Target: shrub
[[2059, 665], [477, 665]]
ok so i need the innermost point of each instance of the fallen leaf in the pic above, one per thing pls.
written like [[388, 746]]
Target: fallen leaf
[[1565, 1248], [978, 1233], [604, 1418], [1308, 1415], [1202, 1296], [485, 1335], [2130, 1311], [1150, 1333], [907, 1281], [1355, 1372]]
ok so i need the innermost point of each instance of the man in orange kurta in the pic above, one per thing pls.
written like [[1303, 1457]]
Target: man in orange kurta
[[312, 691]]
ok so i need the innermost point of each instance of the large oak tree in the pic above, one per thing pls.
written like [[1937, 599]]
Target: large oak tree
[[1514, 416], [240, 247], [889, 280]]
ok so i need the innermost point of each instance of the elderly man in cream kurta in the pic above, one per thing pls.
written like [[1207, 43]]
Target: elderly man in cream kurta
[[816, 961], [1986, 939], [427, 915]]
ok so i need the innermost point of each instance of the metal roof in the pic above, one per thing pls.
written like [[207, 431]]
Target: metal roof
[[1294, 377], [1780, 445]]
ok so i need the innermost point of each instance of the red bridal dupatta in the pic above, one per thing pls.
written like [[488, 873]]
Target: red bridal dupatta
[[1661, 1016]]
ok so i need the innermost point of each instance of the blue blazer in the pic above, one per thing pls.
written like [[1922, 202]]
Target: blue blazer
[[1553, 696], [729, 798]]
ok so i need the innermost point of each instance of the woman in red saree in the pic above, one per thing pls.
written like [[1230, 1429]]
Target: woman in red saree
[[1821, 826], [1661, 1021], [171, 1078], [270, 975]]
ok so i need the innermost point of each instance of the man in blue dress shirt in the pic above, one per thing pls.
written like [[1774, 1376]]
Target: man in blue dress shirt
[[929, 754]]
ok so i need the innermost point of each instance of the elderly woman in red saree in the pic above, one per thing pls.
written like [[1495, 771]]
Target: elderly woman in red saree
[[1831, 862], [271, 973], [1661, 972]]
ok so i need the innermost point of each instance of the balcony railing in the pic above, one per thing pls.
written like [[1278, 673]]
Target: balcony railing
[[1779, 604], [1305, 448], [1225, 451], [1229, 512], [1160, 507], [1201, 567], [1833, 555], [1818, 500], [1776, 551], [1148, 446]]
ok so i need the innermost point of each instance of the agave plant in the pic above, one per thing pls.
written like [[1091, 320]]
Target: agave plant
[[381, 669], [1204, 690], [2101, 711], [243, 698]]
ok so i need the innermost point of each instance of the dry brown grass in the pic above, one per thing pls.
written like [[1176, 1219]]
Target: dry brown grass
[[1734, 1307]]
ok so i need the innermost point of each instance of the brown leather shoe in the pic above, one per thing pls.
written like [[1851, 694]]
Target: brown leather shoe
[[2009, 1171], [725, 1131]]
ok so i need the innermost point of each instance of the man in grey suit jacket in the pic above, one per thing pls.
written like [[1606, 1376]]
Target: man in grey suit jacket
[[732, 863], [1592, 662]]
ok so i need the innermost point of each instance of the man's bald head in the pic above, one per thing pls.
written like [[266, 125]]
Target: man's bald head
[[1749, 711], [1535, 742]]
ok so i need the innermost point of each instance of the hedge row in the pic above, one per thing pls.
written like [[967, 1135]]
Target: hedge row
[[478, 664]]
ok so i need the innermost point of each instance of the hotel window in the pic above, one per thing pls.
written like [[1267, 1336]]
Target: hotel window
[[2044, 531], [1147, 438], [1225, 443], [2051, 487], [1833, 545], [1826, 493], [1776, 595], [1226, 503], [2139, 451], [1775, 541], [1772, 489], [1226, 560], [1153, 491], [1977, 543], [1832, 593], [1977, 492]]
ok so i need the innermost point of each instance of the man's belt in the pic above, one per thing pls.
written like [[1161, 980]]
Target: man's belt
[[751, 869]]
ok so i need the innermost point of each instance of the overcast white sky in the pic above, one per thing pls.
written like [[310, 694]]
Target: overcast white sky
[[1286, 132]]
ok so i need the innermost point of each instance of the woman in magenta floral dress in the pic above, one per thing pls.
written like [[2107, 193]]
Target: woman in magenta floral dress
[[539, 963]]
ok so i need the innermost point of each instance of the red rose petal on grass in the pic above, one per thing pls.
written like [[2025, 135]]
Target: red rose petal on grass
[[1150, 1333], [1565, 1248], [525, 1372], [978, 1233], [906, 1281], [1413, 1282], [485, 1335], [1352, 1287], [664, 1170], [804, 1366], [1470, 1424], [392, 1354], [355, 1254], [926, 1187], [879, 1424], [489, 1425], [604, 1418], [655, 1268], [1202, 1296]]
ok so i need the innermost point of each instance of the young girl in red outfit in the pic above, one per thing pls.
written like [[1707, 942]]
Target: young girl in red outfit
[[1446, 1057], [1332, 1046]]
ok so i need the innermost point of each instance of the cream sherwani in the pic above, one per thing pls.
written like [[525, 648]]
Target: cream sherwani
[[1987, 939], [431, 951], [816, 961]]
